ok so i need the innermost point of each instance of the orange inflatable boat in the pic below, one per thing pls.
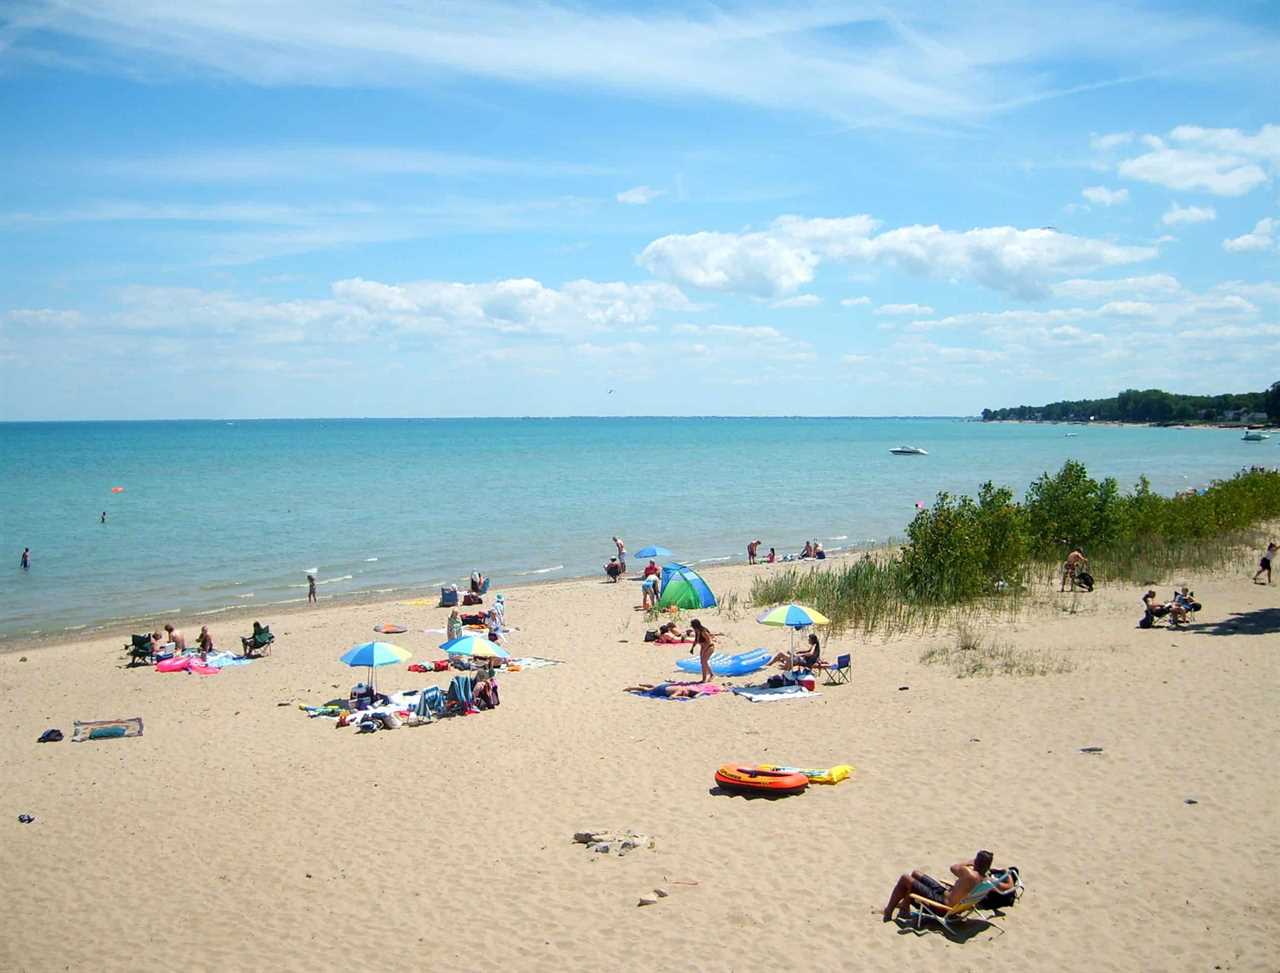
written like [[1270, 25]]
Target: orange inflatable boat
[[754, 780]]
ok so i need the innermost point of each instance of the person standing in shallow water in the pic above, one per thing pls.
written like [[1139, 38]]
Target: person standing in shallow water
[[311, 589], [104, 518], [26, 559]]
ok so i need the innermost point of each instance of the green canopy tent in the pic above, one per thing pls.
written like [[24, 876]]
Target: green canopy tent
[[686, 589]]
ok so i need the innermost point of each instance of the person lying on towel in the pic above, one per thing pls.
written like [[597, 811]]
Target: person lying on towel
[[968, 875], [670, 634], [676, 690]]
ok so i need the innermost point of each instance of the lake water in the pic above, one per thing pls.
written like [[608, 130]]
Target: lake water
[[217, 515]]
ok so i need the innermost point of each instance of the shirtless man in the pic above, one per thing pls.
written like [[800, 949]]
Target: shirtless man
[[752, 548], [177, 638], [968, 875], [622, 552], [1075, 562]]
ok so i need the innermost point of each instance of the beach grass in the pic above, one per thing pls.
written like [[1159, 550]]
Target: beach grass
[[972, 655]]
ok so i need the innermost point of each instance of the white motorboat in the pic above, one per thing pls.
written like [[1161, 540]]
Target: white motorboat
[[1253, 436], [908, 451]]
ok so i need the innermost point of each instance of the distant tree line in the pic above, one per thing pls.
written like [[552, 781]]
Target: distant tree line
[[1151, 405]]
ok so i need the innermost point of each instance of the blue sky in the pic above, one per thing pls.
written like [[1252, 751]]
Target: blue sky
[[385, 209]]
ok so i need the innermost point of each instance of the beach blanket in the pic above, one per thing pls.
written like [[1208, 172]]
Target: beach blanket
[[421, 602], [106, 729], [533, 662], [224, 660], [774, 694]]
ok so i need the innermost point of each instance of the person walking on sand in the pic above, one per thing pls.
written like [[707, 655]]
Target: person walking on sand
[[622, 553], [752, 548], [704, 641], [1264, 563], [26, 559], [311, 589], [1076, 561]]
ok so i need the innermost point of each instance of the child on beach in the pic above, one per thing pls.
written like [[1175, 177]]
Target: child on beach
[[26, 559]]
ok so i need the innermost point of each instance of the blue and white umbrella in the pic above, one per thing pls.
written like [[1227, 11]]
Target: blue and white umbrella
[[474, 646], [652, 550]]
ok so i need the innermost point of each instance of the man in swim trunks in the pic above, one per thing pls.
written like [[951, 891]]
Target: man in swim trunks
[[968, 875], [752, 548], [622, 552], [1076, 561]]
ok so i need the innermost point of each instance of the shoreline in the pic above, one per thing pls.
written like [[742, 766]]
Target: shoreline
[[242, 617]]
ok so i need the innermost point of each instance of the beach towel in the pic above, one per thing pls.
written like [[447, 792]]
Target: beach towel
[[533, 662], [421, 602], [224, 660], [106, 729], [774, 694], [701, 688]]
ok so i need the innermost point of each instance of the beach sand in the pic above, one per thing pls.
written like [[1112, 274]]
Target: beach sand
[[238, 834]]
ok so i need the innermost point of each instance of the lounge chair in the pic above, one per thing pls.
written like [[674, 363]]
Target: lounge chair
[[139, 649], [944, 914], [838, 671], [259, 643]]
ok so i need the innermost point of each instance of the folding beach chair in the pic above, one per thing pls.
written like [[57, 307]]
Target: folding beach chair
[[460, 698], [944, 914], [139, 649], [838, 671], [431, 703], [259, 643]]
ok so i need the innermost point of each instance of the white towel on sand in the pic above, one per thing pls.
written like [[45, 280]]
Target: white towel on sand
[[773, 694]]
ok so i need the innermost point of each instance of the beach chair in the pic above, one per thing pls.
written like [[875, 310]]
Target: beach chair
[[461, 696], [259, 643], [927, 909], [838, 671], [431, 703], [449, 596], [139, 649]]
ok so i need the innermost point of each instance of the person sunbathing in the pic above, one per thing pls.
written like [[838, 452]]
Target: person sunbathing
[[177, 638], [669, 634], [968, 875], [674, 690], [805, 659]]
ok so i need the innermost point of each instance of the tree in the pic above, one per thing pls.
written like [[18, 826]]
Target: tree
[[1273, 402]]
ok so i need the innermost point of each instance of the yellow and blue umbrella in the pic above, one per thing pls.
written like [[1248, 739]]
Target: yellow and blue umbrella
[[793, 616], [373, 654], [473, 646]]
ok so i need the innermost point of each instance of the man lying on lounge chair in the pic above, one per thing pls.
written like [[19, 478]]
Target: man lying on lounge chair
[[968, 875]]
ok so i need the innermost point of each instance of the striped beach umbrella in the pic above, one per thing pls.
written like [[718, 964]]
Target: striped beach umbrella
[[792, 616], [473, 646], [373, 654]]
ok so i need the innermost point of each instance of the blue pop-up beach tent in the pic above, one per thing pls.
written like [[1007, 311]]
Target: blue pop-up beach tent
[[685, 588]]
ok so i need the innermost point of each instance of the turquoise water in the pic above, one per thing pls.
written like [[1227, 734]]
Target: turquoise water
[[218, 515]]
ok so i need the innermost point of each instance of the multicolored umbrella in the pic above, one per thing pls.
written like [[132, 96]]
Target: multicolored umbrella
[[374, 654], [475, 646], [793, 616]]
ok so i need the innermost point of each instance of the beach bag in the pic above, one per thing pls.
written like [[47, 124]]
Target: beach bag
[[1002, 900], [472, 599], [1146, 621], [1085, 579], [651, 635]]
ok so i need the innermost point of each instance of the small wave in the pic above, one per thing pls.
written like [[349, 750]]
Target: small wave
[[249, 595], [558, 567], [369, 560], [712, 560], [74, 628], [310, 570], [215, 611], [345, 577], [839, 537]]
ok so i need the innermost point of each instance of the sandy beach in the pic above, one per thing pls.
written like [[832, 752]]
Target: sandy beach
[[236, 833]]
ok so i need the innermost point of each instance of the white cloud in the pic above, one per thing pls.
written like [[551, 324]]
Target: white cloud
[[1129, 309], [1105, 143], [1221, 161], [904, 310], [748, 263], [855, 359], [1104, 196], [1176, 215], [855, 301], [781, 259], [1088, 290], [800, 300], [1262, 238], [40, 319], [640, 195]]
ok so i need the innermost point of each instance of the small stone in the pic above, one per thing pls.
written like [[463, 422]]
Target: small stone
[[901, 688], [661, 893], [601, 847], [645, 900], [22, 658], [584, 837], [1189, 800]]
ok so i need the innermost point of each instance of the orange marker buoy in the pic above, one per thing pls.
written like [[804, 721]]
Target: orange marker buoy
[[117, 489]]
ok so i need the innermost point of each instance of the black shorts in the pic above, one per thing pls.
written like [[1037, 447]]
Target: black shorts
[[930, 888], [1264, 564]]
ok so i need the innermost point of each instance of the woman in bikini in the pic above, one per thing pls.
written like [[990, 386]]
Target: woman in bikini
[[704, 640]]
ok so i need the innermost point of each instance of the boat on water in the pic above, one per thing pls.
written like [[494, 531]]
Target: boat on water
[[908, 451], [1254, 436]]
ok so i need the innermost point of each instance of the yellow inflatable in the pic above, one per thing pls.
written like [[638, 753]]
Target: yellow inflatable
[[831, 775]]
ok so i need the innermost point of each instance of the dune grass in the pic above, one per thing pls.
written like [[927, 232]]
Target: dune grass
[[973, 655]]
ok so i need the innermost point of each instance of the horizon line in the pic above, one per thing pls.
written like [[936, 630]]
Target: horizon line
[[15, 422]]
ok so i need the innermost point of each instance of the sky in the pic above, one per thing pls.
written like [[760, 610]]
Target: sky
[[333, 208]]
